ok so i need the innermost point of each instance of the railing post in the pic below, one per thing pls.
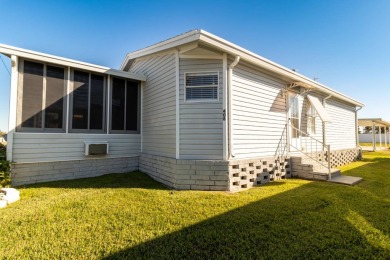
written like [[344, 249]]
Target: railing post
[[329, 162]]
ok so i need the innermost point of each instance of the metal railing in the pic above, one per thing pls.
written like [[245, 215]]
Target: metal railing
[[281, 152], [311, 147]]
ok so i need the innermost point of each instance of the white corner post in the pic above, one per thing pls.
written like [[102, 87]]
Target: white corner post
[[177, 64], [108, 117], [141, 116], [67, 102], [225, 114], [230, 100], [12, 106]]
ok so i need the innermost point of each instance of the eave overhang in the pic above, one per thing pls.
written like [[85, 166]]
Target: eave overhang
[[43, 57], [213, 41], [373, 121]]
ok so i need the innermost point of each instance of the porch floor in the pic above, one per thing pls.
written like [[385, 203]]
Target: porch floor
[[347, 180]]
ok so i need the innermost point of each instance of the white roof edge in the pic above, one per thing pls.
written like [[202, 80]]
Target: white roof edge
[[167, 44], [234, 49], [11, 50]]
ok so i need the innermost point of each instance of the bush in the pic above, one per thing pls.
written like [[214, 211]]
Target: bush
[[5, 167]]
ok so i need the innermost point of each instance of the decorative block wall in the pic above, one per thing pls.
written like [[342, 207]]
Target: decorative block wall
[[233, 175], [342, 157], [27, 173], [245, 174]]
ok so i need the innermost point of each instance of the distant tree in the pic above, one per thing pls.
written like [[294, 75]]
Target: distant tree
[[367, 129]]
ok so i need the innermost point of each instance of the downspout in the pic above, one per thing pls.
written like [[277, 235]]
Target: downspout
[[323, 123], [357, 126], [230, 87]]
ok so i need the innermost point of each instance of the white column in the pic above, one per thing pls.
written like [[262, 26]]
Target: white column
[[12, 105], [380, 137]]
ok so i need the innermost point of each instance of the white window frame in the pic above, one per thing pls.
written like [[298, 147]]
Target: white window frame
[[202, 73], [41, 129], [311, 115], [70, 108]]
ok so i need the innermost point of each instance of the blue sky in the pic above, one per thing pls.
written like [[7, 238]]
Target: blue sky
[[344, 43]]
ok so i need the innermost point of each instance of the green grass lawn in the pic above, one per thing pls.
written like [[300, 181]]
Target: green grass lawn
[[370, 144], [131, 216]]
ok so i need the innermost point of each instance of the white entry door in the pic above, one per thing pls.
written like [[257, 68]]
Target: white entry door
[[294, 121]]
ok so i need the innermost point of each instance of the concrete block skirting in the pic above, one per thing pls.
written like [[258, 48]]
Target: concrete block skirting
[[217, 175], [27, 173]]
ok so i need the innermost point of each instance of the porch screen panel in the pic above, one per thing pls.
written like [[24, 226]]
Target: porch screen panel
[[32, 95], [55, 86], [80, 100], [118, 104], [132, 106], [97, 100]]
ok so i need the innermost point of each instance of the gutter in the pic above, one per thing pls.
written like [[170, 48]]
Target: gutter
[[357, 127], [230, 100]]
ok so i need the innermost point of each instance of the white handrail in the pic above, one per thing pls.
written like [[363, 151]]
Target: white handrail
[[317, 143]]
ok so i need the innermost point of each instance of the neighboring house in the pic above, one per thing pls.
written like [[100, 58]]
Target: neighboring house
[[194, 112]]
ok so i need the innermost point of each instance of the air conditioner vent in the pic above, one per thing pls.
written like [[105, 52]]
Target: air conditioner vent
[[96, 148]]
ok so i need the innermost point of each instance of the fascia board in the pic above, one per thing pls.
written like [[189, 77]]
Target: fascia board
[[171, 43], [27, 54]]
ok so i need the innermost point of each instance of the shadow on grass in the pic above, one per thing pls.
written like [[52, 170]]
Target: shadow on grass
[[316, 220], [114, 180]]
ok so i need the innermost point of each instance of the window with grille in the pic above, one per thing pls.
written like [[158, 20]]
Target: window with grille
[[201, 86]]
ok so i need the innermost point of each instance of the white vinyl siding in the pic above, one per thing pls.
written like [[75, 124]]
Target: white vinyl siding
[[159, 104], [41, 147], [201, 129], [340, 132], [259, 112]]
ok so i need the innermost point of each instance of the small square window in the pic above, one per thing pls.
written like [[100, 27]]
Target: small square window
[[201, 86]]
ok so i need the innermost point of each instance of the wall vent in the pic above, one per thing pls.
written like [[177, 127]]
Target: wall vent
[[96, 148]]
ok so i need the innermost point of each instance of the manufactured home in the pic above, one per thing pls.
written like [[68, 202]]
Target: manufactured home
[[193, 112]]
